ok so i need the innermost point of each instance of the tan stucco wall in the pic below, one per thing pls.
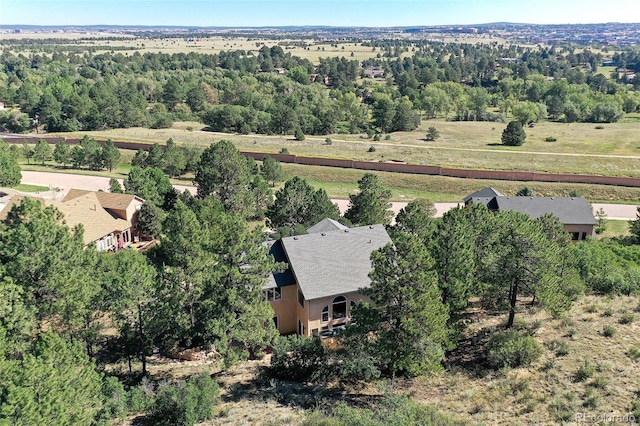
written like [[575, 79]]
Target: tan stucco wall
[[283, 309], [317, 305], [589, 229]]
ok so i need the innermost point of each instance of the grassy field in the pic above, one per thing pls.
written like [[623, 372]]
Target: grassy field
[[218, 43], [579, 148]]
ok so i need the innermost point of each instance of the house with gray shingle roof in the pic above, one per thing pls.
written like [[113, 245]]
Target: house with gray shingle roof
[[325, 271], [575, 213]]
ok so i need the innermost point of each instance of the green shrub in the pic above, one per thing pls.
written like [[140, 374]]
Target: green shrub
[[299, 135], [560, 347], [189, 128], [328, 141], [284, 151], [607, 312], [599, 382], [372, 148], [512, 349], [599, 127], [185, 403], [115, 400], [591, 309], [387, 137], [550, 139], [627, 319], [141, 397], [585, 371], [591, 399], [634, 354], [298, 358], [608, 331], [376, 137]]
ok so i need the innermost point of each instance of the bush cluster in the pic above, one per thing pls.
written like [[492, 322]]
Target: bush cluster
[[512, 349]]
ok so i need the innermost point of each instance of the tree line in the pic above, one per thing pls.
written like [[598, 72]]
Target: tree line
[[237, 91]]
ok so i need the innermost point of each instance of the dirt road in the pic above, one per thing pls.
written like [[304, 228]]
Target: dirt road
[[66, 181]]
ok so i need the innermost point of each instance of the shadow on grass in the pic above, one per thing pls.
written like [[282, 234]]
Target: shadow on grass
[[264, 388]]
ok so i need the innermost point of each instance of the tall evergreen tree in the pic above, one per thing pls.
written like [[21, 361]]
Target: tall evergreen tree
[[298, 203], [371, 204], [10, 174], [271, 170], [405, 327], [223, 172], [42, 151], [110, 155], [53, 384], [62, 153]]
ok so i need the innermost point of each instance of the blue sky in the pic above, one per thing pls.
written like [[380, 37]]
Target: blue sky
[[313, 12]]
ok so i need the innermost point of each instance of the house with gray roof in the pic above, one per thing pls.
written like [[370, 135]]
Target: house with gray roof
[[324, 273], [575, 213]]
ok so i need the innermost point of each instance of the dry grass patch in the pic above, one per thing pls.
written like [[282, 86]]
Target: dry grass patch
[[547, 392]]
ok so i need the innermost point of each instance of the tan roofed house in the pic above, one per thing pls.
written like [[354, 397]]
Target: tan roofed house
[[107, 219], [123, 206]]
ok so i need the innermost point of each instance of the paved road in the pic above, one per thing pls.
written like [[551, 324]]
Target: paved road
[[66, 181]]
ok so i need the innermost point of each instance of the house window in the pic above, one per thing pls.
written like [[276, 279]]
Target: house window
[[300, 327], [275, 322], [584, 236], [300, 298], [339, 307], [272, 294], [575, 236], [325, 314]]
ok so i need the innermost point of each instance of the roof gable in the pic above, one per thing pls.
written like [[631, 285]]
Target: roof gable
[[331, 263], [488, 192], [326, 225], [108, 200], [86, 210]]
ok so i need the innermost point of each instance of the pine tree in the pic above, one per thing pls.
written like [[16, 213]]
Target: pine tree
[[514, 134], [405, 327], [62, 153], [43, 151], [110, 155], [371, 205], [271, 170]]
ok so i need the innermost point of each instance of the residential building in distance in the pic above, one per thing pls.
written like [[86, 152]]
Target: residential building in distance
[[575, 213], [108, 219], [325, 271]]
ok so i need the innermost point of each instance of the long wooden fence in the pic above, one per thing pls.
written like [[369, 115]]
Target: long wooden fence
[[525, 176]]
